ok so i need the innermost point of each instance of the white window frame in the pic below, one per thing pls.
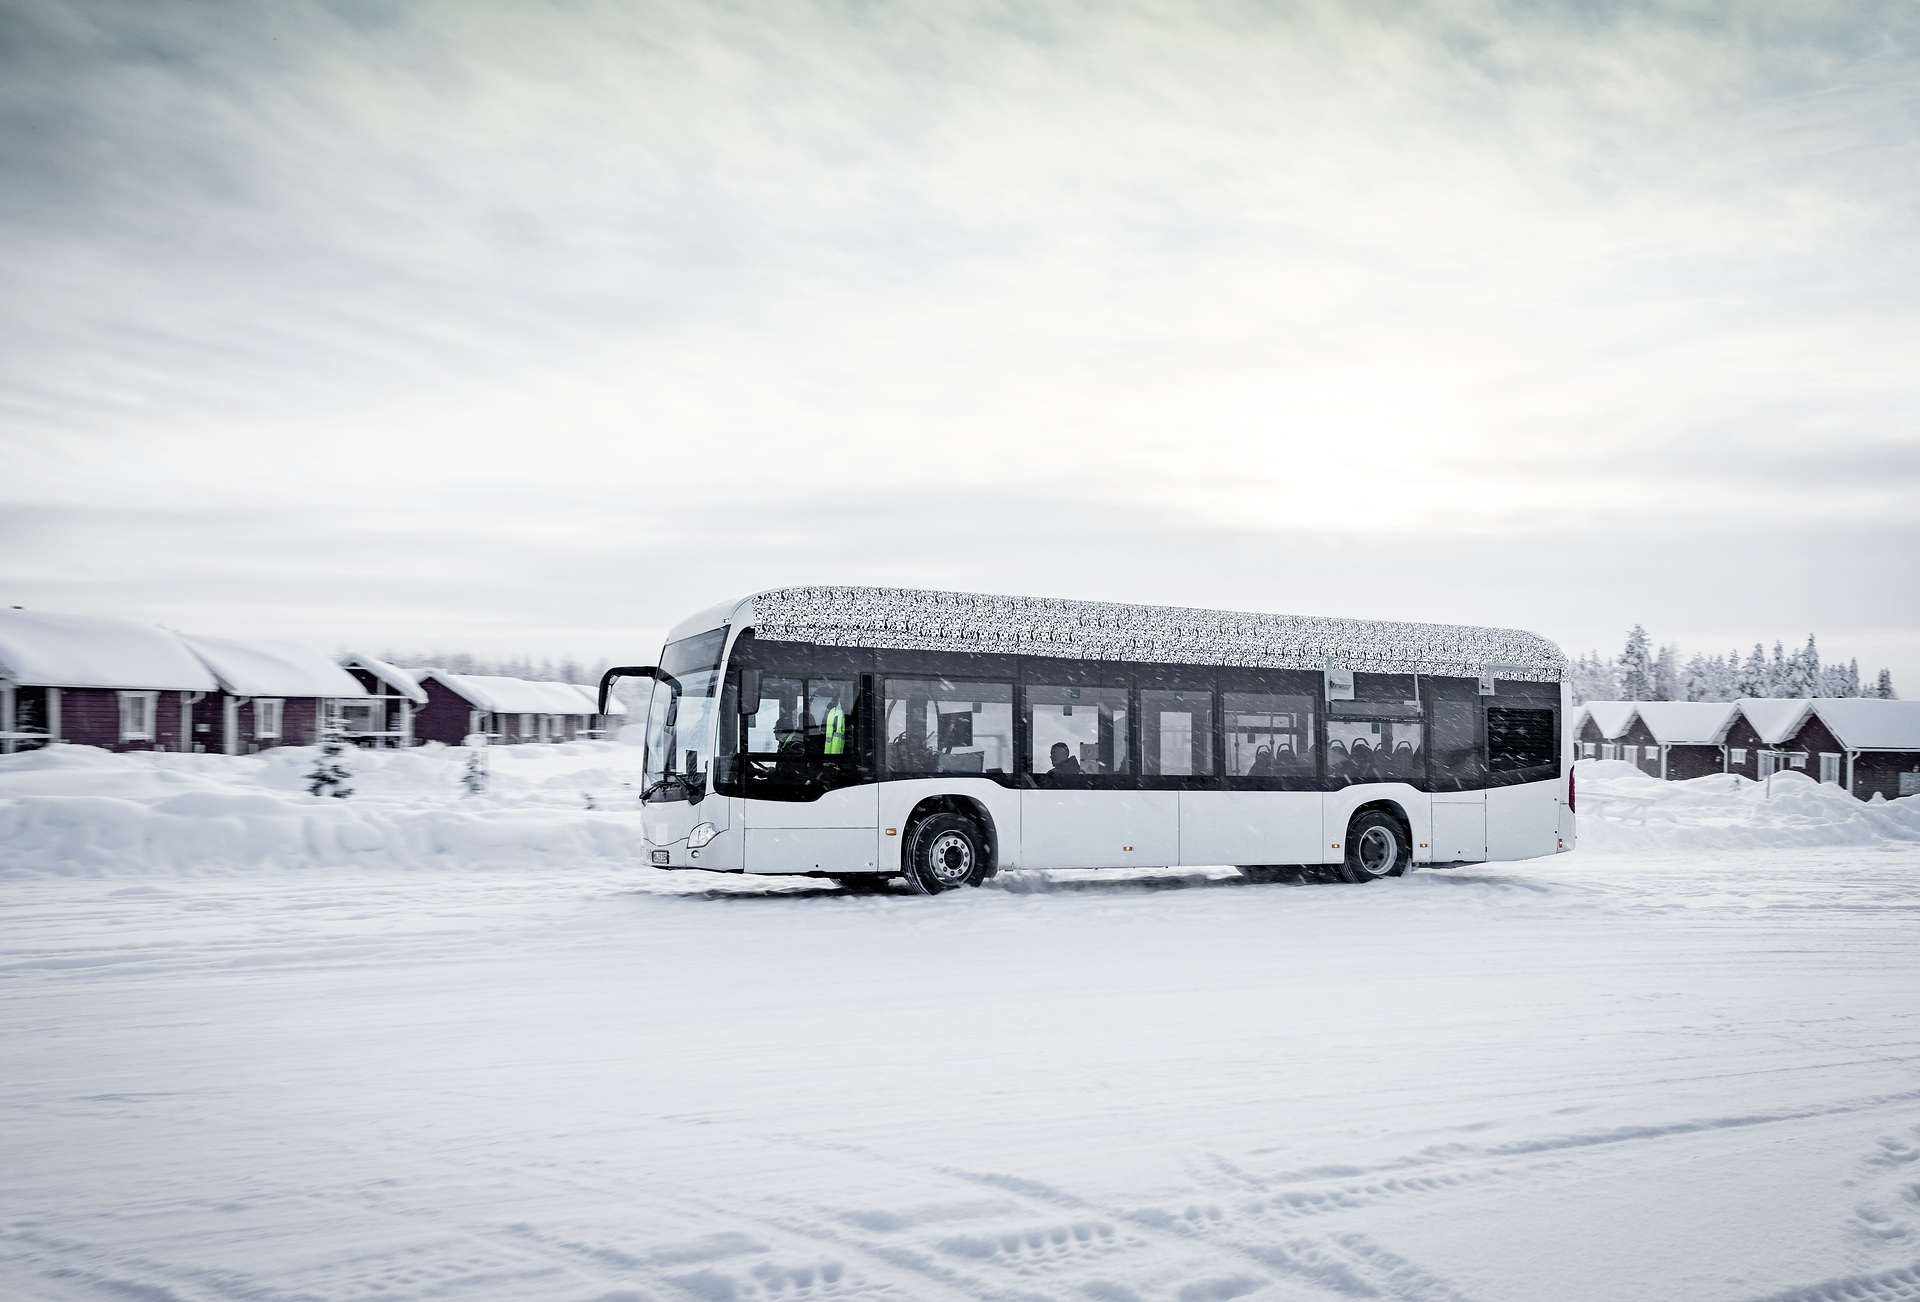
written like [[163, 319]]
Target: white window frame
[[1829, 767], [143, 704], [1631, 754], [272, 708], [1609, 751], [1590, 750], [1799, 759], [1736, 754]]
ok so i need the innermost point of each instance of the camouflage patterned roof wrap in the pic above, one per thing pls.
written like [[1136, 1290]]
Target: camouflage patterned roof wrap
[[911, 619]]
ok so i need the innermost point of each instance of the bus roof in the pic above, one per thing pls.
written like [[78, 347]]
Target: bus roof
[[914, 619]]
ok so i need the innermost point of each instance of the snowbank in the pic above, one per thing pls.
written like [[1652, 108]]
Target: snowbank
[[76, 810], [1623, 810]]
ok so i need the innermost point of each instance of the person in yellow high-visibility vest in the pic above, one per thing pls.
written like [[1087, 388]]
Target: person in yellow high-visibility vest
[[836, 729]]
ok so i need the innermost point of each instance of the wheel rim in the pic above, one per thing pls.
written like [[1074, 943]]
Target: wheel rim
[[950, 858], [1377, 852]]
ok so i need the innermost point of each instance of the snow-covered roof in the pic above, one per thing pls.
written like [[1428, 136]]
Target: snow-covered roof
[[1775, 718], [1687, 723], [1864, 723], [397, 679], [614, 704], [271, 667], [1611, 717], [41, 649], [912, 619], [518, 695]]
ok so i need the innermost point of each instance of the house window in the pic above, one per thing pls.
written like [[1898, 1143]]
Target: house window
[[1829, 768], [1590, 749], [1609, 751], [136, 715], [1799, 759], [1631, 754], [1738, 755], [266, 717], [526, 726]]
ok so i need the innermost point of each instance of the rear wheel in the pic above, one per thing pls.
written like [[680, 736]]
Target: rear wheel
[[1376, 848], [944, 853]]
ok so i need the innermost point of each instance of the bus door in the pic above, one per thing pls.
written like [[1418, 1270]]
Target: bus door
[[1458, 778], [1079, 808]]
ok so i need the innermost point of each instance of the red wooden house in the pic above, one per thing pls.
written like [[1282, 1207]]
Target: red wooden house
[[271, 693], [385, 717], [1690, 736], [95, 681], [1869, 746], [508, 711]]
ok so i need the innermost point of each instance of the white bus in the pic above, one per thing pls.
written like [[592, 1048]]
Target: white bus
[[865, 734]]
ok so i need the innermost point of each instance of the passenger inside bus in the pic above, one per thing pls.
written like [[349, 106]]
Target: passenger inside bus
[[1063, 761]]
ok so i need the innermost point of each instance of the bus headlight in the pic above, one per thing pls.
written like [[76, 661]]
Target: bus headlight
[[700, 835]]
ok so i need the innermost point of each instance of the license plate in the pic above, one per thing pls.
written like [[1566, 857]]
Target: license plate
[[661, 856]]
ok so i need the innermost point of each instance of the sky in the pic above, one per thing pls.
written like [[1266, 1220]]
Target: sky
[[531, 328]]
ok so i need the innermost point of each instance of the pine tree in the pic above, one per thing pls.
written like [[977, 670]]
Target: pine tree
[[1668, 684], [1636, 667], [329, 776], [1779, 678], [1884, 687], [1753, 674]]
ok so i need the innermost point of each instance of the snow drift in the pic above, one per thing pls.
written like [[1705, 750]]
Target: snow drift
[[78, 810]]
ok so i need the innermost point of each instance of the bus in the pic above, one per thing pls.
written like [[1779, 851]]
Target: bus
[[865, 734]]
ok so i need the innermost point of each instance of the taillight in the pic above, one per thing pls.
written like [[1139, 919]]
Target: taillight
[[1570, 808]]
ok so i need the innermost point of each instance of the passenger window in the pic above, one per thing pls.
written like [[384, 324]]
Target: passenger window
[[1268, 736], [1375, 750], [941, 725], [1077, 731], [1520, 738], [1176, 734]]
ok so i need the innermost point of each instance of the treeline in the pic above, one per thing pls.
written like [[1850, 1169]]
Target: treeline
[[1643, 673], [465, 662]]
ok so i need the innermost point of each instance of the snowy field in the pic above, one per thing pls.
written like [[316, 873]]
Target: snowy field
[[415, 1045]]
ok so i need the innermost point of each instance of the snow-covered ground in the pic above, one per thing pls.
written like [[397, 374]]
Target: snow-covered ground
[[419, 1045]]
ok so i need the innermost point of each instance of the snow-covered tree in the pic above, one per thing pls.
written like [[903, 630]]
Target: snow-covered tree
[[1753, 674], [1668, 683], [1594, 679], [1636, 667], [1883, 687]]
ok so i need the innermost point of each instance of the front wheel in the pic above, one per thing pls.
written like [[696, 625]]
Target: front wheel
[[1376, 848], [945, 852]]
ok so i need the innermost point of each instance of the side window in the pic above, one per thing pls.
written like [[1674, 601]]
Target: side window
[[1519, 738], [1077, 731], [1458, 764], [940, 725], [1176, 734], [802, 718], [1375, 750], [1268, 736]]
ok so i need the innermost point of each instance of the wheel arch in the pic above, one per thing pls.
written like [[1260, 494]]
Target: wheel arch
[[965, 806], [1391, 808]]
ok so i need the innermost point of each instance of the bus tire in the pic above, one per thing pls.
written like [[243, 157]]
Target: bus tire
[[1376, 847], [944, 853]]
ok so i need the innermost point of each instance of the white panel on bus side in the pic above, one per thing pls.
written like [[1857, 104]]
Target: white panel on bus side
[[805, 835], [1094, 829], [1460, 827], [1250, 827], [1523, 822], [810, 849]]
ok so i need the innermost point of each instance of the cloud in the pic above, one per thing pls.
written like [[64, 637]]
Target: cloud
[[1449, 279]]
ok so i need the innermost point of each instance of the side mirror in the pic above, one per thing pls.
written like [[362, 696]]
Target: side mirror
[[749, 691], [624, 671]]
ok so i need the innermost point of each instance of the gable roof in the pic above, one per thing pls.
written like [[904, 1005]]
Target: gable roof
[[1611, 717], [1865, 723], [42, 649], [399, 680], [1775, 718], [271, 667], [1687, 723], [916, 619], [517, 695]]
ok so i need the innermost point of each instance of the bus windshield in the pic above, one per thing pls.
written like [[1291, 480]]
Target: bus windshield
[[680, 734]]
